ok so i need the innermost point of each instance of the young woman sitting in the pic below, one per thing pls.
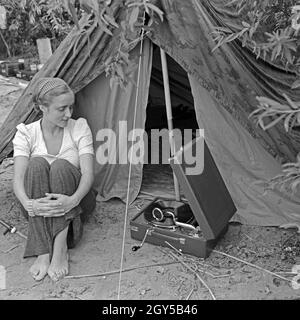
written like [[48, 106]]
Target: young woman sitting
[[53, 176]]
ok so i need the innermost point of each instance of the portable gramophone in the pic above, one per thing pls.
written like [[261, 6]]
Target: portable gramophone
[[194, 225]]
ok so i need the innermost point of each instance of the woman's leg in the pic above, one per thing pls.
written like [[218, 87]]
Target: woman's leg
[[49, 238], [36, 183], [64, 179]]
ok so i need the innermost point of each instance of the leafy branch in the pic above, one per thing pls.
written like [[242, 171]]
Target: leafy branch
[[289, 113], [271, 28], [118, 67]]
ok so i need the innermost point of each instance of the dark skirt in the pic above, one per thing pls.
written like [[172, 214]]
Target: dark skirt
[[59, 177]]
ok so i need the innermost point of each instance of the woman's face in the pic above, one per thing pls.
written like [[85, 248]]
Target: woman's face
[[60, 110]]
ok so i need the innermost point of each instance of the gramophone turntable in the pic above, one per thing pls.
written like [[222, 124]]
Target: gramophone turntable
[[171, 215]]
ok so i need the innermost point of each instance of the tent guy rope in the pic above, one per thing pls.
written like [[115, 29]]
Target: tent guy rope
[[108, 273], [130, 162]]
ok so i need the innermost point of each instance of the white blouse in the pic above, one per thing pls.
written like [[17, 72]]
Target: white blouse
[[77, 140]]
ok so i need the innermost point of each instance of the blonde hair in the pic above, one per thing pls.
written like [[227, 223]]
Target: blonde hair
[[48, 88]]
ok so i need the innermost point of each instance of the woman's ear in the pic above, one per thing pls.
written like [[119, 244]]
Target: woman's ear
[[43, 108]]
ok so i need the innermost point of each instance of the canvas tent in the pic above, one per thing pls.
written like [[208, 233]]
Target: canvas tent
[[224, 86]]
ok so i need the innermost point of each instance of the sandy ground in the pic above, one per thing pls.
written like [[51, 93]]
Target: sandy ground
[[151, 272]]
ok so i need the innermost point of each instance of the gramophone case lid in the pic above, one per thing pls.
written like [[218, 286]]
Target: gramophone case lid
[[206, 191]]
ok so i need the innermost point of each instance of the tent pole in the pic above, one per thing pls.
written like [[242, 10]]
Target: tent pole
[[169, 114]]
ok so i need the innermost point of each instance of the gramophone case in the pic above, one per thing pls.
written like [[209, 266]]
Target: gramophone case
[[179, 238], [207, 198]]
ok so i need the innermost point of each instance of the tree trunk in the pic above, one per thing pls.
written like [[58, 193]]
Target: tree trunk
[[6, 45]]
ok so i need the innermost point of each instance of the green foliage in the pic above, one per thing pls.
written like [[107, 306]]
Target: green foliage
[[131, 30], [29, 20], [32, 19], [267, 27], [290, 179], [17, 25], [289, 113], [271, 29]]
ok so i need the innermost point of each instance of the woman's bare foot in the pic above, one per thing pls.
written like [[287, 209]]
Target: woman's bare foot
[[40, 267], [59, 266]]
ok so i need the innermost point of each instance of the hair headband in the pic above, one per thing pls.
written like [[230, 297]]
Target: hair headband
[[44, 85]]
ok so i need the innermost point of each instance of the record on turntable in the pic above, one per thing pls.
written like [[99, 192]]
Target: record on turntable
[[169, 214]]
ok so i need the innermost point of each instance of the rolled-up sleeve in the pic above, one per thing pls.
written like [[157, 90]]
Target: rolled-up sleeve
[[83, 137], [21, 141]]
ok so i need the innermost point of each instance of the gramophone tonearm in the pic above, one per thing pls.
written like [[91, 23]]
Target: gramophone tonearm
[[161, 214]]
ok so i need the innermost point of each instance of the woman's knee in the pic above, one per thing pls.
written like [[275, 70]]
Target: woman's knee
[[62, 170], [36, 179], [37, 163], [60, 165], [37, 168]]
